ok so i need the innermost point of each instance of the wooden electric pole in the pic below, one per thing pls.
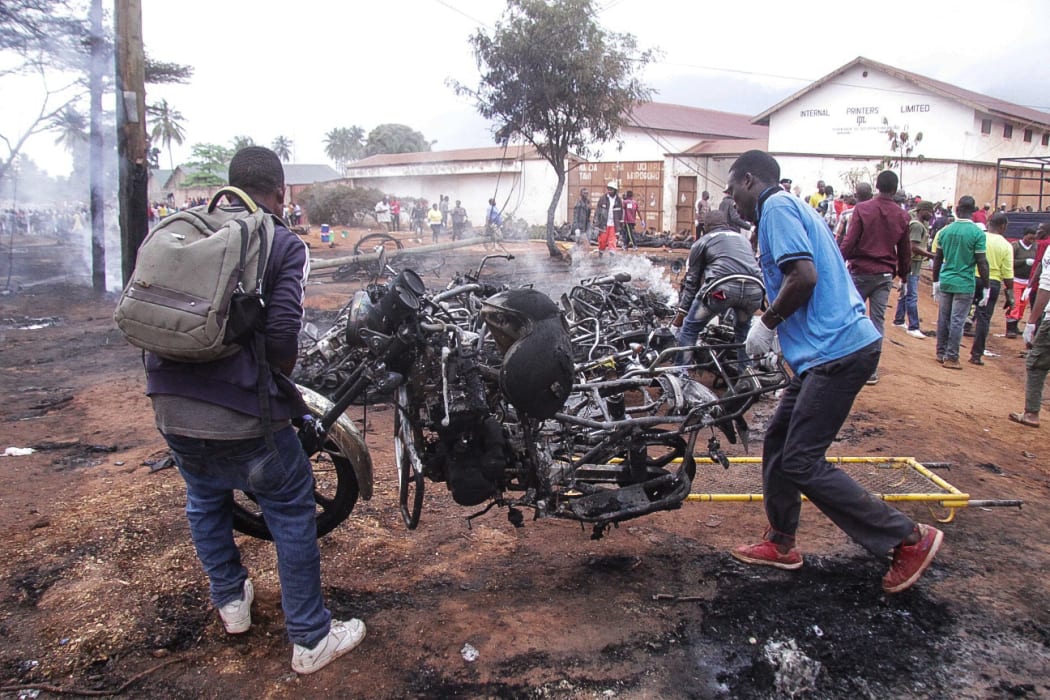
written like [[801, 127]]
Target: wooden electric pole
[[131, 132]]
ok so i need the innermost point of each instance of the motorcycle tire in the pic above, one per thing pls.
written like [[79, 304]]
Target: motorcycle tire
[[410, 481], [373, 241], [335, 491]]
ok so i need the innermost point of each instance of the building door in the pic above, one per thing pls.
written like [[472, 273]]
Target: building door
[[685, 204]]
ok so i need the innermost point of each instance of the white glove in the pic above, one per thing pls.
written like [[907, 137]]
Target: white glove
[[1027, 291], [936, 290], [1028, 335], [760, 338], [985, 295]]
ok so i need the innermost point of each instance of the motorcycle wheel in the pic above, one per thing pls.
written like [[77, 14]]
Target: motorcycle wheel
[[410, 482], [335, 491], [374, 241]]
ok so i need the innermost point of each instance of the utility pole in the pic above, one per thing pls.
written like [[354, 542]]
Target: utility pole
[[133, 196], [96, 165]]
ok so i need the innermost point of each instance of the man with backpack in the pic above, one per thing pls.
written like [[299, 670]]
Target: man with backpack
[[211, 416]]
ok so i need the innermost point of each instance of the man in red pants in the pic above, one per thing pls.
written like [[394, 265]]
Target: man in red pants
[[608, 217]]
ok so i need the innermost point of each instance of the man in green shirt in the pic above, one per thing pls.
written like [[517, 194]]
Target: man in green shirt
[[960, 247]]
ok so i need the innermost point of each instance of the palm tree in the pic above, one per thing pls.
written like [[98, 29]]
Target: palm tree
[[343, 144], [72, 128], [168, 127], [282, 146], [242, 141]]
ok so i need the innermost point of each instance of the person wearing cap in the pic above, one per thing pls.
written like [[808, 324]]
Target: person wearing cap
[[785, 183], [832, 348], [608, 214], [908, 303], [960, 247]]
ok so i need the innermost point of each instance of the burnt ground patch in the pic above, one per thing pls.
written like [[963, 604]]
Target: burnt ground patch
[[181, 620], [834, 612]]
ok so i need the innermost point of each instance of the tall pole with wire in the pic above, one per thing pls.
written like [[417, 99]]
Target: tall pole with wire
[[131, 132]]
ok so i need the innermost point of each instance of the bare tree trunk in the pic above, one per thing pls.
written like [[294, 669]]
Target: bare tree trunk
[[552, 209], [96, 166]]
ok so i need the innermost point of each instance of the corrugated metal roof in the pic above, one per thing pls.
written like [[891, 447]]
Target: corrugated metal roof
[[305, 173], [699, 122], [451, 156], [726, 147], [979, 102]]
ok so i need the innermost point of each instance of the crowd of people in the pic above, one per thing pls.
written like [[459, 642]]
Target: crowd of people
[[438, 217], [58, 222]]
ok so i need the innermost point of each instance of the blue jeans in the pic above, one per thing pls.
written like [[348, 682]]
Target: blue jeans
[[810, 414], [282, 482], [909, 303], [951, 315], [742, 296]]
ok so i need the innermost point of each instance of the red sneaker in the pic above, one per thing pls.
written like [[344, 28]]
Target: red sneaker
[[765, 553], [910, 561]]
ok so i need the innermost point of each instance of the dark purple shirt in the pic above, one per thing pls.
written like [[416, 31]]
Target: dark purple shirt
[[232, 381], [876, 240]]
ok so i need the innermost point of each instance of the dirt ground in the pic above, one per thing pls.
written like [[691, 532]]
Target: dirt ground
[[100, 584]]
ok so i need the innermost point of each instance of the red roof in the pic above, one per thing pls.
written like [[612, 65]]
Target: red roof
[[695, 121], [979, 102], [726, 147]]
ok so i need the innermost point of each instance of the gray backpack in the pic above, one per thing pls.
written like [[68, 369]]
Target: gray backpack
[[196, 294]]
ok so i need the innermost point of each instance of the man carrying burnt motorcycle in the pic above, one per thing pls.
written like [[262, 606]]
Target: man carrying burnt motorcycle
[[833, 348], [209, 414], [722, 275]]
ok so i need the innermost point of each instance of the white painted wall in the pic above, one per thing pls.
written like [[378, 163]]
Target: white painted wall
[[845, 117], [524, 188]]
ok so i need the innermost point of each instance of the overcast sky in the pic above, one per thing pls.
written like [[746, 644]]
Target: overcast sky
[[301, 68]]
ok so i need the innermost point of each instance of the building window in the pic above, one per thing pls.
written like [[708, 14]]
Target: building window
[[1046, 139], [1028, 136], [1008, 131], [986, 126]]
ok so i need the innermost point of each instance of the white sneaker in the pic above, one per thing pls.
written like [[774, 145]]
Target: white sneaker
[[900, 325], [916, 333], [342, 637], [237, 615]]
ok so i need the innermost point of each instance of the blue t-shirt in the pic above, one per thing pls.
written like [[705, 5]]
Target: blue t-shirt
[[832, 324]]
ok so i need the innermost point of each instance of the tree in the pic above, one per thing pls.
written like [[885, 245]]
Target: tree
[[167, 127], [43, 37], [158, 72], [72, 128], [553, 77], [343, 145], [395, 138], [902, 144], [209, 162], [240, 142], [282, 146]]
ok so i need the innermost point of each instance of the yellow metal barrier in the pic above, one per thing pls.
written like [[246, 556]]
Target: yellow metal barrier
[[898, 479]]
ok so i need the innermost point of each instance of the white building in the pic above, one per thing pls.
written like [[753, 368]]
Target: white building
[[835, 130], [521, 182]]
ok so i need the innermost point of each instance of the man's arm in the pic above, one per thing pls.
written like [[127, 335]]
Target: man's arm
[[938, 260], [284, 313], [853, 233], [982, 268], [800, 278]]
